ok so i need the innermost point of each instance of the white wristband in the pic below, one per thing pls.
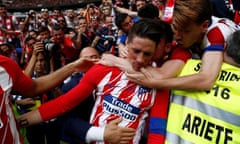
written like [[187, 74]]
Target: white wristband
[[95, 134]]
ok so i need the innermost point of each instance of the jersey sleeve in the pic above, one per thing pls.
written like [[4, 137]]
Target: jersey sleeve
[[180, 53], [158, 118], [72, 98], [21, 82], [216, 40]]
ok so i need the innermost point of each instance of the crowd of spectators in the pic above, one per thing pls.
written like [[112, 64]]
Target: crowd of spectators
[[58, 36], [38, 3]]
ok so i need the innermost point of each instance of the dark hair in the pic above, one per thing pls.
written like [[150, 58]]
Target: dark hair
[[6, 53], [43, 29], [56, 27], [233, 46], [7, 44], [151, 29], [149, 11], [28, 38], [36, 32], [57, 8], [3, 6], [167, 31], [119, 19]]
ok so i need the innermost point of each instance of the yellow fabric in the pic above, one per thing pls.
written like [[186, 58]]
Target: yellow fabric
[[225, 96]]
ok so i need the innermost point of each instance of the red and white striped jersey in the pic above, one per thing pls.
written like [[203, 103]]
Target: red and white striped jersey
[[116, 97], [11, 77], [217, 34]]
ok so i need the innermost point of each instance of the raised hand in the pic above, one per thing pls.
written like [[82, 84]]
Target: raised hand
[[83, 64], [111, 60], [38, 47]]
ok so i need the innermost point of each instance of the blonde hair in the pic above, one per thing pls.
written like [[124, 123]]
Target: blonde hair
[[187, 11]]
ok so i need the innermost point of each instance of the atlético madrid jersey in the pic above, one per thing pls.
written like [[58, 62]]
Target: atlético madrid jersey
[[116, 97], [217, 34], [11, 77]]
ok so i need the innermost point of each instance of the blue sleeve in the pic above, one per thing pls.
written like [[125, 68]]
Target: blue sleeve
[[219, 47], [123, 39]]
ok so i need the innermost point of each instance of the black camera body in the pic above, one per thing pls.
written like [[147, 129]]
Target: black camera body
[[49, 45]]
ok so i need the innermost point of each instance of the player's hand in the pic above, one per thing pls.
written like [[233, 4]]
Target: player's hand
[[38, 47], [111, 60], [144, 77], [26, 101], [83, 64], [118, 135]]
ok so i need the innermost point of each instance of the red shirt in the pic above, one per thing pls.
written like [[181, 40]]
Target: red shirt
[[68, 50], [11, 78], [180, 53]]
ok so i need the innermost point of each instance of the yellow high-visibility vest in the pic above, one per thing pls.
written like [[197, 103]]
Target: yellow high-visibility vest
[[206, 117]]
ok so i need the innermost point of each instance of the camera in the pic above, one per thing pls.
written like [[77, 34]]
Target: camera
[[49, 45], [32, 13]]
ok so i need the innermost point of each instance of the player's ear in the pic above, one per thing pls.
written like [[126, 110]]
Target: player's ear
[[168, 47], [205, 25]]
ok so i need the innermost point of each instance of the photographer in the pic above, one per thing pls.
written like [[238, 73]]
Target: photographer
[[37, 67], [105, 39], [52, 50], [31, 22]]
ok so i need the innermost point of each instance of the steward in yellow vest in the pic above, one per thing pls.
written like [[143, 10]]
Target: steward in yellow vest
[[206, 117]]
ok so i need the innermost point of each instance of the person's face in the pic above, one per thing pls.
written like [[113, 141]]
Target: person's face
[[5, 50], [127, 24], [140, 52], [106, 10], [30, 43], [56, 13], [82, 23], [45, 14], [157, 3], [21, 26], [94, 22], [89, 53], [139, 4], [188, 35], [61, 22], [58, 35], [70, 14], [44, 35], [40, 64], [3, 11], [33, 34]]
